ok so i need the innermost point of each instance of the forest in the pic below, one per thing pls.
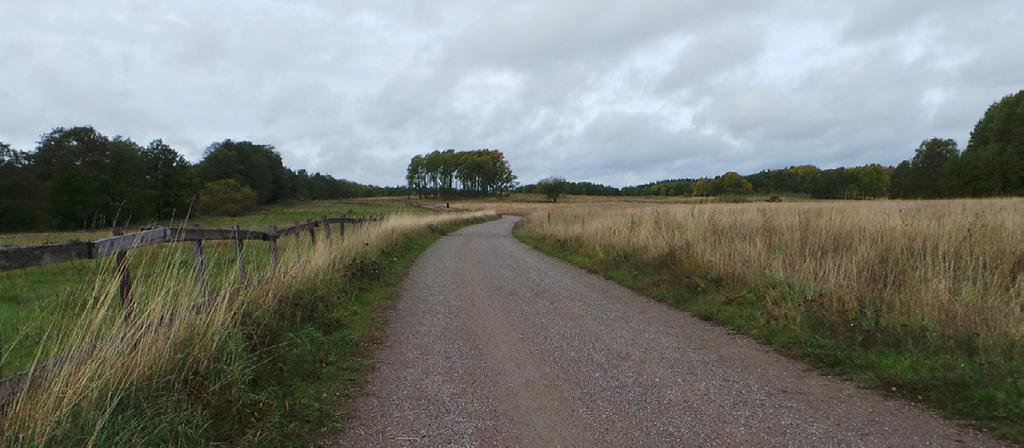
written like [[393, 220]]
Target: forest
[[460, 173], [78, 178]]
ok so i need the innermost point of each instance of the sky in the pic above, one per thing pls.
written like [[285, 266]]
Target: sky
[[616, 92]]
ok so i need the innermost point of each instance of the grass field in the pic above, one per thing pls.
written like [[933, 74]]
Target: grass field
[[924, 299], [180, 370], [34, 299], [920, 299]]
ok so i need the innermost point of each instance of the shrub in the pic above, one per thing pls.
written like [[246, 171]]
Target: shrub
[[226, 197]]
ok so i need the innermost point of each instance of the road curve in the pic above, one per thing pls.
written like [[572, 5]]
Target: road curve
[[494, 344]]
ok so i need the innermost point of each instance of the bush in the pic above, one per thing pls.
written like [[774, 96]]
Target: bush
[[226, 197]]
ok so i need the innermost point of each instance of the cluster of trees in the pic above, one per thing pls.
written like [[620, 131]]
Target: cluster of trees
[[460, 173], [991, 165], [729, 183], [260, 168], [671, 187], [868, 181], [930, 173], [566, 187], [79, 178], [555, 186]]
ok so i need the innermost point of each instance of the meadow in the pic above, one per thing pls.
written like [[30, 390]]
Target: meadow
[[924, 299], [33, 300], [122, 375]]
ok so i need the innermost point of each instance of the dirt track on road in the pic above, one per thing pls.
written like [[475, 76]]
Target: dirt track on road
[[495, 344]]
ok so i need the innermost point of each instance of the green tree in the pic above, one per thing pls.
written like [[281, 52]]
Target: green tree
[[901, 185], [672, 187], [993, 162], [416, 175], [730, 183], [23, 202], [872, 181], [171, 181], [931, 173], [92, 180], [733, 183], [930, 168], [552, 187], [703, 187], [258, 167]]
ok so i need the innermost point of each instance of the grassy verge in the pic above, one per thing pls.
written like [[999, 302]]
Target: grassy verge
[[35, 299], [283, 382], [267, 366], [314, 359], [982, 388]]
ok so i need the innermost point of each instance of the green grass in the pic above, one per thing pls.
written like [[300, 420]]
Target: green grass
[[984, 390], [287, 381], [34, 299]]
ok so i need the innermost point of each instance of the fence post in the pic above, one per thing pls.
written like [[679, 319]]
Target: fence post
[[341, 231], [327, 228], [312, 231], [240, 251], [125, 287], [296, 233], [197, 252], [274, 260]]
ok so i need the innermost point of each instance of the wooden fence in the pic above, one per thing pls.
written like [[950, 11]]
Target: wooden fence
[[120, 244]]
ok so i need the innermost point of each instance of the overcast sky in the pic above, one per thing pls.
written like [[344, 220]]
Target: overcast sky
[[618, 92]]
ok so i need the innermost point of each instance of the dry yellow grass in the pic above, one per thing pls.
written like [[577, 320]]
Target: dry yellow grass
[[107, 352], [954, 267]]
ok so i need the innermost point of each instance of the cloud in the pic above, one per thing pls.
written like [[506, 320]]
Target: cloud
[[607, 91]]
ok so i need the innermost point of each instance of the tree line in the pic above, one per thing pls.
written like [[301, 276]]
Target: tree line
[[567, 187], [866, 181], [460, 173], [860, 182], [78, 178], [991, 165]]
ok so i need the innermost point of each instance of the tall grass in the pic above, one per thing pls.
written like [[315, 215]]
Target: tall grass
[[34, 298], [924, 299], [952, 267], [106, 352]]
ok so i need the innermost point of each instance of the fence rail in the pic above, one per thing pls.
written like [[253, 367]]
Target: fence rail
[[119, 245], [29, 256]]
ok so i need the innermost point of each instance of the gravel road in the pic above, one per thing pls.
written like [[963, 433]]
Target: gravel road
[[496, 345]]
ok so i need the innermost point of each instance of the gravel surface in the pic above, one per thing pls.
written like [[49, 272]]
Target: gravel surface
[[495, 344]]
